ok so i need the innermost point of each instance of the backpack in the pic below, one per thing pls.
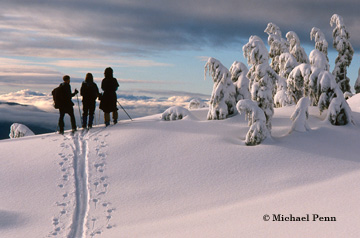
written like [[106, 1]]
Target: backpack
[[58, 96]]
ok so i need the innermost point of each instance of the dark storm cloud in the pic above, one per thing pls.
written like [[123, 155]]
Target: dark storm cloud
[[141, 26]]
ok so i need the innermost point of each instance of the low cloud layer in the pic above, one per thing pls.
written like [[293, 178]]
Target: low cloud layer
[[36, 108]]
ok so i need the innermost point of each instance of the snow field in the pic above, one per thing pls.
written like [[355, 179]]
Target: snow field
[[185, 178]]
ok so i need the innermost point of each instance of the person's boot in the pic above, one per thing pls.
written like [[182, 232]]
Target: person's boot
[[115, 117], [107, 119]]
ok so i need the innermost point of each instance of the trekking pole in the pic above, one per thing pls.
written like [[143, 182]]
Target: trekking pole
[[124, 110], [77, 97], [95, 118]]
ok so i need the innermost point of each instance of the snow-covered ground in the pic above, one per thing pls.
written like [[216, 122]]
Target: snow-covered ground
[[186, 178]]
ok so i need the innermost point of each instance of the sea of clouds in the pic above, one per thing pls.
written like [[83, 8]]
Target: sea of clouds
[[35, 109]]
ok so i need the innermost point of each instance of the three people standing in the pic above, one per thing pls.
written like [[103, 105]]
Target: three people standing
[[89, 92]]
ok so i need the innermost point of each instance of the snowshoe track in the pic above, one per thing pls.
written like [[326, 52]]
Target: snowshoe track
[[80, 150], [84, 210]]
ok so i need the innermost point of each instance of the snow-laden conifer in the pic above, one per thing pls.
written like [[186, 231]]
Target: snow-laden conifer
[[318, 59], [256, 120], [312, 86], [222, 101], [238, 72], [19, 130], [332, 98], [357, 83], [196, 103], [262, 77], [300, 116], [278, 45], [345, 52], [287, 64], [174, 113], [281, 98], [321, 43], [295, 49], [296, 81], [303, 81]]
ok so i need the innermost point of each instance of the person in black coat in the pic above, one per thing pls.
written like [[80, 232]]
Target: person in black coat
[[89, 92], [67, 104], [109, 98]]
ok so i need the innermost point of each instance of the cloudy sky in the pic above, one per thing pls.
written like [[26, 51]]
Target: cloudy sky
[[156, 47]]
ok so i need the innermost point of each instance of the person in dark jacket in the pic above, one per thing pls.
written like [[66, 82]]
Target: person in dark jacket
[[89, 92], [67, 105], [108, 100]]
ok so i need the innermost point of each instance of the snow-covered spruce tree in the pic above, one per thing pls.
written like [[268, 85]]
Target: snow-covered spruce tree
[[312, 86], [296, 81], [222, 101], [278, 45], [300, 116], [303, 81], [343, 46], [281, 98], [196, 103], [262, 77], [174, 113], [318, 59], [287, 64], [238, 72], [320, 41], [257, 121], [357, 83], [332, 98], [295, 49]]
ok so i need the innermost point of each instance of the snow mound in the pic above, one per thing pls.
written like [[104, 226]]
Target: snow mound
[[19, 130], [196, 104], [300, 116], [354, 102], [175, 113]]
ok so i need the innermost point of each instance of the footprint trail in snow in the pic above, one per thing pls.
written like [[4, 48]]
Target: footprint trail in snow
[[83, 208]]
